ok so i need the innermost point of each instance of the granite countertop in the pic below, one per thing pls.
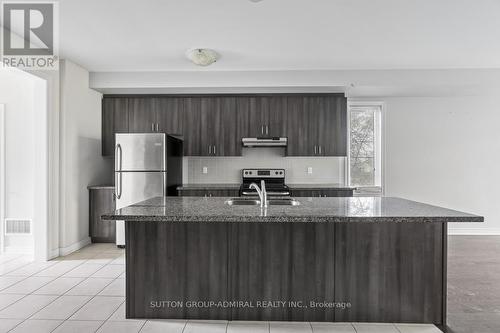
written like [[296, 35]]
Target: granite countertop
[[209, 186], [237, 186], [96, 187], [320, 186], [333, 209]]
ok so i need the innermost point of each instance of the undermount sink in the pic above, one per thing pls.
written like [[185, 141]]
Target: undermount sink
[[242, 202], [256, 202]]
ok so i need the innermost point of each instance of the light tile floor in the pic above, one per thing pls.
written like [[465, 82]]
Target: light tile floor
[[85, 292]]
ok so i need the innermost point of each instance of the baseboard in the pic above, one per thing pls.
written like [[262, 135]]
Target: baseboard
[[64, 251], [473, 231]]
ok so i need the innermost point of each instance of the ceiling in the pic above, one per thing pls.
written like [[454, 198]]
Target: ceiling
[[146, 35]]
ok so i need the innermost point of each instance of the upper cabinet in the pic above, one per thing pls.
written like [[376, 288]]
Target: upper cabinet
[[169, 113], [141, 115], [316, 125], [266, 116], [155, 114], [201, 126], [114, 120]]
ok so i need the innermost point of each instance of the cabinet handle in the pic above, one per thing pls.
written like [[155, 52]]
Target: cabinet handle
[[214, 150], [267, 129], [319, 150], [262, 129], [152, 127], [157, 127], [209, 149], [315, 150]]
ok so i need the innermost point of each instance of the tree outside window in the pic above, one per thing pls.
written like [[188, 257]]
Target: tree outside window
[[365, 146]]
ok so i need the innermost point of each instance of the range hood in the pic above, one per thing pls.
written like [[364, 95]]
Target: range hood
[[264, 142]]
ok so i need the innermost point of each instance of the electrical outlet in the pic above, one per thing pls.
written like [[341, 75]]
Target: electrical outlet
[[205, 170], [309, 170]]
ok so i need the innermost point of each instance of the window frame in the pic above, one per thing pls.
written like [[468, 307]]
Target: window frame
[[379, 152]]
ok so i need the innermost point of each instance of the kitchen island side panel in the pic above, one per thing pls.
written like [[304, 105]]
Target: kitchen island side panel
[[176, 262], [387, 272], [288, 262], [391, 272]]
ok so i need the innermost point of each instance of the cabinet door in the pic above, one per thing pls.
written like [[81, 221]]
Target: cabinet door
[[277, 116], [258, 116], [201, 126], [142, 116], [297, 127], [192, 193], [229, 138], [223, 193], [193, 127], [168, 112], [114, 120], [331, 118], [101, 201]]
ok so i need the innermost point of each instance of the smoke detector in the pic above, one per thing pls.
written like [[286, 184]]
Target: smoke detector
[[202, 57]]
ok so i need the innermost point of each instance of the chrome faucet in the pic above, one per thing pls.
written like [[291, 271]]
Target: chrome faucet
[[261, 192]]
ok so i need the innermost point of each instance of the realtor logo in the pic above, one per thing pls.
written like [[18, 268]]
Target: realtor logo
[[29, 38]]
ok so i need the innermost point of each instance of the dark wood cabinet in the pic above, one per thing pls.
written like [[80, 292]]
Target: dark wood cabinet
[[162, 114], [201, 126], [114, 120], [316, 125], [321, 192], [211, 127], [209, 193], [101, 201], [141, 115], [331, 120], [169, 114], [266, 116], [297, 127]]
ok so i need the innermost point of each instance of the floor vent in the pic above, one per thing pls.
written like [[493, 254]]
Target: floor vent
[[17, 227]]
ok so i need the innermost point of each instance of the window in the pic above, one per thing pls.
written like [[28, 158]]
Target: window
[[365, 146]]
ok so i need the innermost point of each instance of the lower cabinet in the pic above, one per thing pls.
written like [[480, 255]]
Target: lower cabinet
[[209, 193], [322, 193], [101, 201]]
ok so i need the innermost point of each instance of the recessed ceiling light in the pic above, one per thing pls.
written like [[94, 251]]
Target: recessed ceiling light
[[202, 57]]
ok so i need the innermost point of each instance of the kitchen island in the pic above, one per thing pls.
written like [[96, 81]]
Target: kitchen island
[[362, 259]]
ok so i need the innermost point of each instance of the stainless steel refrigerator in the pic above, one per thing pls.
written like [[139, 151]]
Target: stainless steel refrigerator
[[147, 165]]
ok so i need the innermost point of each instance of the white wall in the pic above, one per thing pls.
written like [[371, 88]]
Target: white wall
[[17, 92], [446, 151], [81, 163]]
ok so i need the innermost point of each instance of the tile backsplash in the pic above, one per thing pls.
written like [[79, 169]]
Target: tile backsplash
[[228, 169]]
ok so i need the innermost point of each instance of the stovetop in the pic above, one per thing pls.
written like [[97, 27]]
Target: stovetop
[[273, 178]]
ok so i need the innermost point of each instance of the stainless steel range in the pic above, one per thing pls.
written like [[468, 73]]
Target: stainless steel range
[[274, 179]]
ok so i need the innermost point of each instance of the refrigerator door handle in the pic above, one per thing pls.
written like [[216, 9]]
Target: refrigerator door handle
[[118, 159], [118, 167], [118, 182]]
